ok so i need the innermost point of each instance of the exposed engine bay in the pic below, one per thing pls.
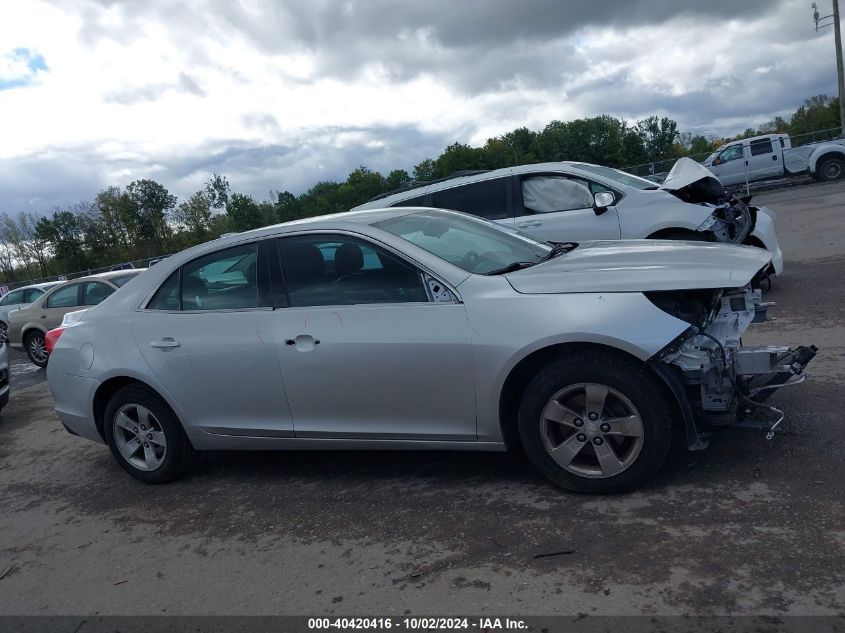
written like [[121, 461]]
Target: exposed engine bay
[[724, 381]]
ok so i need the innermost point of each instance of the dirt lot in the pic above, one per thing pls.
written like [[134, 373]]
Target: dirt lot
[[749, 526]]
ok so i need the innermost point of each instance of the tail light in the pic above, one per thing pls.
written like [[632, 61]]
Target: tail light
[[51, 338]]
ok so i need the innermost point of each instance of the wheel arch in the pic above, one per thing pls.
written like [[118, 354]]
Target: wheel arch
[[111, 386], [827, 152], [671, 232], [522, 373]]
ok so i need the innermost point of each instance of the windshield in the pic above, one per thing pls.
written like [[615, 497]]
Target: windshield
[[618, 176], [474, 245]]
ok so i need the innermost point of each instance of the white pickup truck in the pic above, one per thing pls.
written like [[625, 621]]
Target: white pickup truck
[[773, 156]]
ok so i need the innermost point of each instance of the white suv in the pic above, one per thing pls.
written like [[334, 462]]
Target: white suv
[[567, 201]]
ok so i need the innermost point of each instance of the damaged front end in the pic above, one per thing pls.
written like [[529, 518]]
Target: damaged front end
[[723, 381], [732, 219]]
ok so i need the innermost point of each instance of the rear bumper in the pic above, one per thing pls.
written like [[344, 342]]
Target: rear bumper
[[73, 397]]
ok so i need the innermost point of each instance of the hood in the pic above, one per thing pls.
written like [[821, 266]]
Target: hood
[[641, 265], [693, 182]]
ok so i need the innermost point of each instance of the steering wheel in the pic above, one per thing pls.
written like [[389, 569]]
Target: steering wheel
[[471, 260]]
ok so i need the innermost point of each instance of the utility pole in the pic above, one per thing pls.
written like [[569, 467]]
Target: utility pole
[[840, 71]]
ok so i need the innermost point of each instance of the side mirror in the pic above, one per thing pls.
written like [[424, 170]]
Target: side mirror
[[716, 161], [602, 200]]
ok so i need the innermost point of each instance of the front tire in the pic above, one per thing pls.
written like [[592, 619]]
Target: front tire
[[36, 349], [831, 168], [595, 422], [145, 436]]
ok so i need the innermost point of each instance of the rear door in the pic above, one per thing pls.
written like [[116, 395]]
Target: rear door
[[206, 334], [370, 346], [557, 207], [488, 199], [764, 160]]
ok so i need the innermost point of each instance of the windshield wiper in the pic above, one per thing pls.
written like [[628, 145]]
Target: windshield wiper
[[559, 248], [511, 268]]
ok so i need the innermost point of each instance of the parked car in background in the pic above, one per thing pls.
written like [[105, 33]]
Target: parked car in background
[[18, 298], [27, 326], [412, 328], [772, 156], [571, 202], [4, 374]]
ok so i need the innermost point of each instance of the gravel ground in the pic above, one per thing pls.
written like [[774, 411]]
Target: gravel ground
[[749, 526]]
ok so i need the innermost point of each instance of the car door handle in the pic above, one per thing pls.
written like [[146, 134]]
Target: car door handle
[[165, 343], [292, 341], [526, 225], [43, 316]]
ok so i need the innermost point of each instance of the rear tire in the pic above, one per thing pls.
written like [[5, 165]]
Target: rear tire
[[831, 168], [145, 436], [603, 443], [35, 348]]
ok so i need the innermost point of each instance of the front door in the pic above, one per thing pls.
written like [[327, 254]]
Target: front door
[[207, 336], [371, 347], [730, 165], [554, 207]]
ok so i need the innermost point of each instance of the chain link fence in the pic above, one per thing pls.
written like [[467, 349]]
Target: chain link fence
[[135, 263]]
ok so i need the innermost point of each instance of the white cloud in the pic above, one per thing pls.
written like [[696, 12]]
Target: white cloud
[[175, 91]]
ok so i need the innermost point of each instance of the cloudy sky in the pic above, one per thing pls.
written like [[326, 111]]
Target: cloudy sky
[[279, 94]]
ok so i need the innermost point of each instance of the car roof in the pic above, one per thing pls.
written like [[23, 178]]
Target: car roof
[[462, 178], [40, 286]]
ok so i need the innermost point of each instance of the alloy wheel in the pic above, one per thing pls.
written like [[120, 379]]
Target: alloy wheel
[[139, 437], [591, 430], [37, 349]]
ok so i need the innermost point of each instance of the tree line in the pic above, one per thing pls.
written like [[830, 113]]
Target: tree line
[[143, 219]]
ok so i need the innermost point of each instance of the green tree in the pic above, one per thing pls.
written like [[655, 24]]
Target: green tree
[[152, 203], [243, 213], [194, 215], [426, 170]]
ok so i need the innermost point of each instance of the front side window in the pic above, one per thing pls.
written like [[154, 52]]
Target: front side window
[[474, 245], [66, 297], [94, 292], [12, 298], [225, 280], [487, 199], [548, 194], [323, 270], [734, 152]]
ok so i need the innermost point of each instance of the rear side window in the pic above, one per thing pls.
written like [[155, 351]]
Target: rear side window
[[167, 296], [64, 297], [225, 280], [487, 199], [94, 292], [761, 146], [16, 296]]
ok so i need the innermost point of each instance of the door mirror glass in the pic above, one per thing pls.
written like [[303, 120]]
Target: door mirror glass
[[601, 201]]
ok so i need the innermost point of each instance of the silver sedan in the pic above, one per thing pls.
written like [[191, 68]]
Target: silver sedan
[[413, 328]]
